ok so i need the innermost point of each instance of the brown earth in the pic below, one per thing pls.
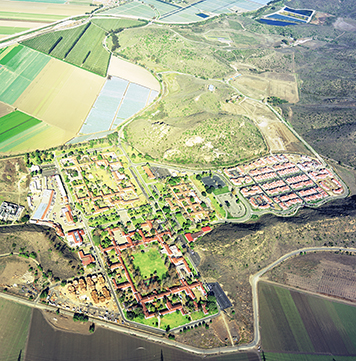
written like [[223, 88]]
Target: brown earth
[[14, 269], [103, 345], [323, 272], [5, 108]]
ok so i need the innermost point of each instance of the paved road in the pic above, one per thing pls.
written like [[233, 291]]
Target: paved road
[[254, 279]]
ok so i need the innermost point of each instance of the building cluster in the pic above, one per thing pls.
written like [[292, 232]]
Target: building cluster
[[185, 199], [282, 181], [91, 286], [10, 211], [89, 192], [175, 257]]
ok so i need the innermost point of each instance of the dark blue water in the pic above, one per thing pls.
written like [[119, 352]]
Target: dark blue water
[[300, 12], [275, 22]]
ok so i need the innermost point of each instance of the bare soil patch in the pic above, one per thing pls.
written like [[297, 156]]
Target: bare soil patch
[[276, 134], [66, 323], [282, 85], [133, 73], [14, 269], [5, 108], [345, 24]]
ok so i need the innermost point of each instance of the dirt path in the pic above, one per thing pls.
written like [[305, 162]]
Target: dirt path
[[227, 327]]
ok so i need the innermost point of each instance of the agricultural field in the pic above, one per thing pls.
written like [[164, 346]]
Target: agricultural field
[[133, 73], [105, 344], [305, 323], [14, 124], [20, 66], [142, 11], [15, 322], [323, 272], [188, 127], [109, 24], [60, 83], [81, 46], [37, 11], [117, 101]]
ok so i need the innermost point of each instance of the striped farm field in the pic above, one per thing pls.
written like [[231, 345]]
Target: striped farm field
[[81, 46], [300, 323], [15, 123], [15, 321], [20, 66]]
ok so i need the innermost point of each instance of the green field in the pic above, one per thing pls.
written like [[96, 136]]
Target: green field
[[295, 322], [14, 320], [81, 46], [29, 16], [115, 24], [148, 262], [8, 30], [20, 66], [15, 123]]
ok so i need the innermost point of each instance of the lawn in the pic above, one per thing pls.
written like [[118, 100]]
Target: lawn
[[222, 190], [14, 320], [150, 261], [216, 205], [173, 320]]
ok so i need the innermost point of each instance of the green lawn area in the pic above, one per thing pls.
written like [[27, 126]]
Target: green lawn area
[[180, 218], [216, 205], [14, 320], [222, 190], [150, 261], [174, 319]]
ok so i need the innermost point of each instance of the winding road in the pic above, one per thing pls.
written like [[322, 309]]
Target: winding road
[[133, 331]]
